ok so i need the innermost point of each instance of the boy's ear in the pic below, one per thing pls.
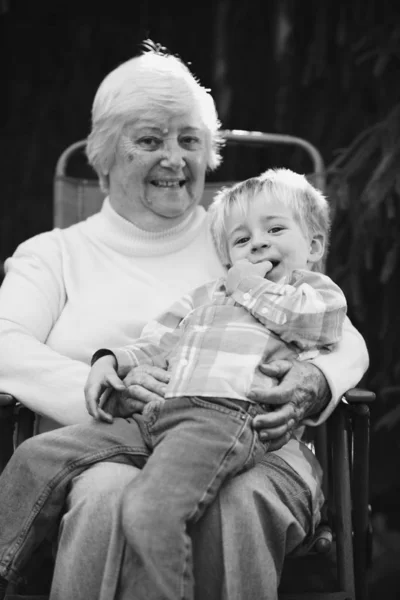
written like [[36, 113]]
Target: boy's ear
[[317, 248]]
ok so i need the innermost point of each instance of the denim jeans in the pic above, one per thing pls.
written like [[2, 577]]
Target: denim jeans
[[191, 446], [239, 544]]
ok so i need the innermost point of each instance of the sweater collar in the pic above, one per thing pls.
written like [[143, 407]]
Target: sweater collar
[[124, 236]]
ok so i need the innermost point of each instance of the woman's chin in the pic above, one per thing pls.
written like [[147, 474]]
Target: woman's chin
[[172, 209]]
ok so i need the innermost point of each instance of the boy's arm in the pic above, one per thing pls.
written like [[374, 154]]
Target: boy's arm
[[155, 343], [309, 311]]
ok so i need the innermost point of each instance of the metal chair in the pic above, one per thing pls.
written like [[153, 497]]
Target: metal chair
[[341, 445]]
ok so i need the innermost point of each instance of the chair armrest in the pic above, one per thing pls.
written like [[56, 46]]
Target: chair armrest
[[359, 396], [7, 424], [16, 425], [357, 407], [7, 399]]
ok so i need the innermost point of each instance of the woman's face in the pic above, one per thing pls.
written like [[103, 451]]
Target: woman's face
[[159, 171]]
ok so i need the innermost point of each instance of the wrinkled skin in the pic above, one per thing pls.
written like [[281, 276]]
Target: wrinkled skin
[[302, 391], [143, 384]]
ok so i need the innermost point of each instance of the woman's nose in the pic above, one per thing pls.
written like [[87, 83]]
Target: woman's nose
[[173, 156]]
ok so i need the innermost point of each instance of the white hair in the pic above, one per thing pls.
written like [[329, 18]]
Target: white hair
[[151, 81]]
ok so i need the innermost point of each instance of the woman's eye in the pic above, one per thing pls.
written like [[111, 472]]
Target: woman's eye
[[190, 142], [150, 142]]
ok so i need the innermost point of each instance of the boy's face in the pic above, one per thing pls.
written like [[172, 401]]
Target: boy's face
[[269, 232]]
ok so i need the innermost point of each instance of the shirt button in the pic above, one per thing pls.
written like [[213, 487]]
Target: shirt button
[[184, 361], [246, 296], [264, 310]]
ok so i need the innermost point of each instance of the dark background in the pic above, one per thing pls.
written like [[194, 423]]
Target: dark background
[[273, 65], [324, 70]]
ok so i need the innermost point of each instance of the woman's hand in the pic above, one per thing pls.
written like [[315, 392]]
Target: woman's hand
[[141, 385], [301, 392]]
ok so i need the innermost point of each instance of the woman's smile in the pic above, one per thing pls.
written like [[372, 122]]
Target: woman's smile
[[169, 183]]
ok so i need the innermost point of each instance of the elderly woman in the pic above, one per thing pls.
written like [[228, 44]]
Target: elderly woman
[[155, 133]]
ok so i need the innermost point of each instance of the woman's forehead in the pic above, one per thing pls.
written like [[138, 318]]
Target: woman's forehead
[[165, 120]]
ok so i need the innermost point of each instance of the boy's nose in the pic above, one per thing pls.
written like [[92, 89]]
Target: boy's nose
[[260, 245]]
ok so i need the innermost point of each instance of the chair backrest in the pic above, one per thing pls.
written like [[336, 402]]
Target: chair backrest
[[76, 198]]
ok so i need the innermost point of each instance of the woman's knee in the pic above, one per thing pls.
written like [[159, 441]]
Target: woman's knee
[[101, 486]]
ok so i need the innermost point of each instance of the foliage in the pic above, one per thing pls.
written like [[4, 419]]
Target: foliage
[[363, 121], [364, 187]]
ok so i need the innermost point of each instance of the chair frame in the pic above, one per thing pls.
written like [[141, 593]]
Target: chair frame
[[341, 444]]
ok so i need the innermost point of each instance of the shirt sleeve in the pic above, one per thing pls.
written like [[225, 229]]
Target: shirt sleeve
[[309, 311], [343, 368], [32, 297], [157, 340]]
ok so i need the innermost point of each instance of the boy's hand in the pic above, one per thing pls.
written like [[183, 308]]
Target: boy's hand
[[102, 379], [244, 268], [143, 384]]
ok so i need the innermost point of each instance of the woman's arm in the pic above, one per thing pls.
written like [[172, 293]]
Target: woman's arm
[[343, 367], [32, 298], [301, 396]]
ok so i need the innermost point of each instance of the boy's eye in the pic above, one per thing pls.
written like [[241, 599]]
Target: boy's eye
[[150, 142], [276, 229], [242, 240]]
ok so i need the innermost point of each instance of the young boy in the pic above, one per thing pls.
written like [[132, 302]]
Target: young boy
[[271, 232]]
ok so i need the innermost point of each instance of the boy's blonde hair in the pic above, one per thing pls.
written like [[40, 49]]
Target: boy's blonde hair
[[309, 206]]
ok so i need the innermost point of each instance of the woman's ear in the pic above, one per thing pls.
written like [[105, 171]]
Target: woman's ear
[[317, 248], [104, 182]]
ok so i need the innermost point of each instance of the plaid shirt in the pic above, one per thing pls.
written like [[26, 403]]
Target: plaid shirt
[[213, 342]]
